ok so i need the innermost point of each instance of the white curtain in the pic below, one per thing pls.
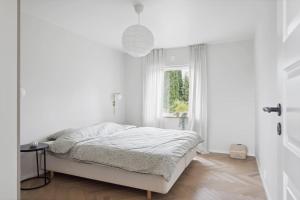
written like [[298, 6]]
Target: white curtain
[[152, 64], [198, 94]]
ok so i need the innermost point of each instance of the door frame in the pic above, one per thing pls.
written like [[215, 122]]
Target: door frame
[[18, 97]]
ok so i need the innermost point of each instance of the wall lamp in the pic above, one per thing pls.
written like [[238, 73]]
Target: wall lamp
[[115, 96]]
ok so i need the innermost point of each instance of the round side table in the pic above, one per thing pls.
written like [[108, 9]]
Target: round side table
[[41, 147]]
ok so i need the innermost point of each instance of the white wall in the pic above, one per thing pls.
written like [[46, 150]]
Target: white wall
[[8, 100], [68, 80], [267, 95], [177, 56], [230, 95], [133, 91], [230, 92]]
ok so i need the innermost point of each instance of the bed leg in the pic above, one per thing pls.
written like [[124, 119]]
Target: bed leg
[[149, 195], [51, 174]]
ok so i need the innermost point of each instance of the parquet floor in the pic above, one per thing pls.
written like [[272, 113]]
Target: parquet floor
[[208, 177]]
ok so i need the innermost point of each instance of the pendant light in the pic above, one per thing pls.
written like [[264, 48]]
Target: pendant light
[[137, 39]]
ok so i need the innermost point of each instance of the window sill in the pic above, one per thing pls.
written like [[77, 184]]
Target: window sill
[[171, 116]]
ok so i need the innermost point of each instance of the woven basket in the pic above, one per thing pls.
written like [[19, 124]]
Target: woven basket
[[238, 151]]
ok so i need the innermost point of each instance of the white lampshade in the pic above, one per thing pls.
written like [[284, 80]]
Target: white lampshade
[[137, 40], [119, 96]]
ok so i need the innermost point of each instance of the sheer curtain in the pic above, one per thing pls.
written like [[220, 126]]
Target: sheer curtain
[[152, 64], [198, 94]]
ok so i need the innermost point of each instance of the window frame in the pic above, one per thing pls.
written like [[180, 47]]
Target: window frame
[[164, 69]]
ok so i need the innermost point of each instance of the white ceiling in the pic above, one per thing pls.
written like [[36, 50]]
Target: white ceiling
[[174, 23]]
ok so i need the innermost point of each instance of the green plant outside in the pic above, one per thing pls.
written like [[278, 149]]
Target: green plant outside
[[177, 92]]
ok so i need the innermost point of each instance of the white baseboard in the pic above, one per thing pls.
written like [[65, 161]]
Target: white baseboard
[[263, 180], [25, 176], [227, 152], [29, 175]]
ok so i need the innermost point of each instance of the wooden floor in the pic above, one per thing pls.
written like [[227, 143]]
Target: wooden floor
[[209, 177]]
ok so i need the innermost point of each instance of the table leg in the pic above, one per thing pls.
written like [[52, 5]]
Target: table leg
[[45, 167], [37, 163], [149, 195]]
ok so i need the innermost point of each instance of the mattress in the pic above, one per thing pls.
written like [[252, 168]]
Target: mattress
[[145, 150], [119, 176]]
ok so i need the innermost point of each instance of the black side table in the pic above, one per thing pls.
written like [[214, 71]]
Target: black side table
[[41, 147]]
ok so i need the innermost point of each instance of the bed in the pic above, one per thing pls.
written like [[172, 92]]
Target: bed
[[145, 158]]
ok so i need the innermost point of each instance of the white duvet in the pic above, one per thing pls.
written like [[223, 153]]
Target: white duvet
[[144, 150]]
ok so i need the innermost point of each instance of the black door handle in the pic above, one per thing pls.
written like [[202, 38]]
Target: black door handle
[[273, 109], [279, 129]]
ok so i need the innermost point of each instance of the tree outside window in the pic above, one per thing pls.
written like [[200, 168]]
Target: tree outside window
[[176, 92]]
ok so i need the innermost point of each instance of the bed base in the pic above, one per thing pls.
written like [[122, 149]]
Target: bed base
[[149, 183]]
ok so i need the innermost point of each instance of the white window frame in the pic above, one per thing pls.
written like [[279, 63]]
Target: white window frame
[[162, 71]]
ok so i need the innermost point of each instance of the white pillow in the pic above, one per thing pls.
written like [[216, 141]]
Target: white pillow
[[111, 127], [68, 139], [58, 134]]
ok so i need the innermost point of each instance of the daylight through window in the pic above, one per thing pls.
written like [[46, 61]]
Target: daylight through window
[[176, 91]]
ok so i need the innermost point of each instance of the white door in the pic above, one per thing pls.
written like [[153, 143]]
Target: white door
[[289, 81]]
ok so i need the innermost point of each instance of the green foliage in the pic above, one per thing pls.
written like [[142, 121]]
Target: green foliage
[[175, 91], [180, 106], [178, 92], [185, 89]]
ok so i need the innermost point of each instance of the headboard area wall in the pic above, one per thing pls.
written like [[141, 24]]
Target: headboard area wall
[[68, 81]]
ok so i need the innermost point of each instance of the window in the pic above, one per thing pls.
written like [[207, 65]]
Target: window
[[175, 91]]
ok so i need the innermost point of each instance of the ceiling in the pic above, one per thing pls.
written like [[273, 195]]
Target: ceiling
[[174, 23]]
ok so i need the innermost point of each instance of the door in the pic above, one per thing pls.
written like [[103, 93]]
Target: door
[[289, 81]]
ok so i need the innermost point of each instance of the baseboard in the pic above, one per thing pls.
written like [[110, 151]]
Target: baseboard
[[29, 175], [263, 180], [227, 152], [25, 176]]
